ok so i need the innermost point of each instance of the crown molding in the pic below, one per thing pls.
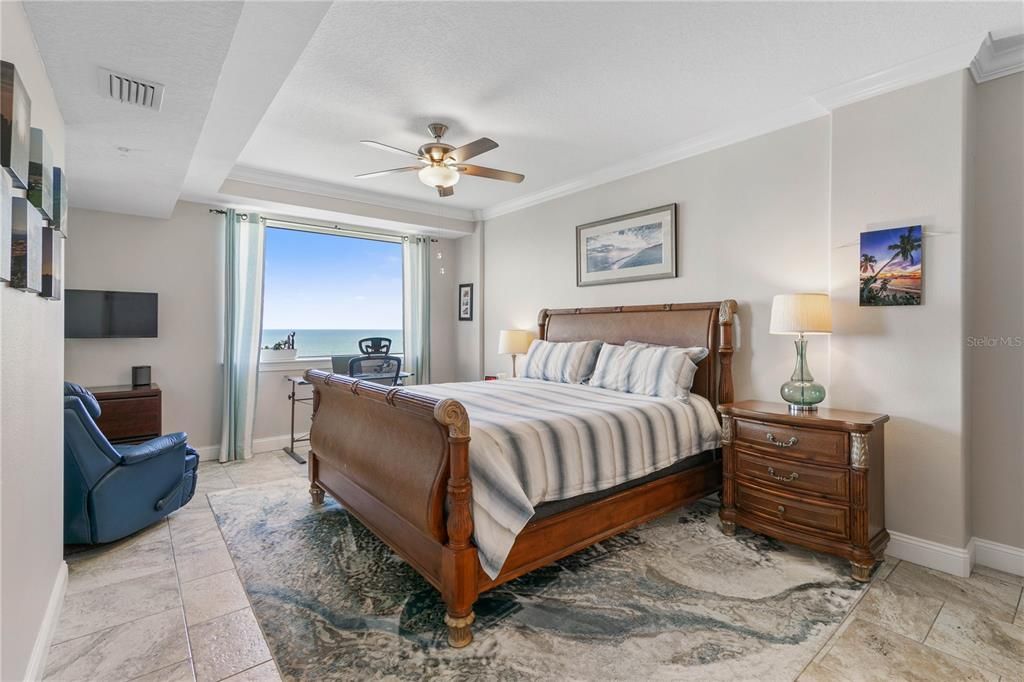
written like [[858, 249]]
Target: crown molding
[[259, 176], [804, 111], [916, 71], [998, 57]]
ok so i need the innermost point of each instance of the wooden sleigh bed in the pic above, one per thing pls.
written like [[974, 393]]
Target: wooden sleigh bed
[[399, 461]]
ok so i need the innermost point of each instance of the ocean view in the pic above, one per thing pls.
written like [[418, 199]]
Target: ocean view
[[322, 342]]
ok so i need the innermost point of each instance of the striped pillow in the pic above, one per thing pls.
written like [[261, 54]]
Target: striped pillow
[[570, 362], [663, 371], [689, 370]]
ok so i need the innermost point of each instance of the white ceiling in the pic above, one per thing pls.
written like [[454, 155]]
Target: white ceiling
[[569, 90]]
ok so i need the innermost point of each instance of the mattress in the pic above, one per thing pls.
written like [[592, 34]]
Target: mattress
[[535, 442]]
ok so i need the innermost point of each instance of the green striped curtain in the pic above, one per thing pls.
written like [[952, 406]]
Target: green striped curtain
[[417, 328], [243, 319]]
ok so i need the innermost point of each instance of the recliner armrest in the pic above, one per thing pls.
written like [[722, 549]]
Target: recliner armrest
[[133, 454]]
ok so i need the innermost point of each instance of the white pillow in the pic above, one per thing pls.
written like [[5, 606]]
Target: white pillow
[[568, 362], [663, 371], [688, 372]]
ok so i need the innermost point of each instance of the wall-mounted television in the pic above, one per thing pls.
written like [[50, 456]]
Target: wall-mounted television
[[109, 314]]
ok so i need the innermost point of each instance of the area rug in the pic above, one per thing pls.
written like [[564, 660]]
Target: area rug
[[672, 599]]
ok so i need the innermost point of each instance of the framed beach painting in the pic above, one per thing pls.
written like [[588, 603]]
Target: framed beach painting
[[890, 266], [465, 302], [628, 248]]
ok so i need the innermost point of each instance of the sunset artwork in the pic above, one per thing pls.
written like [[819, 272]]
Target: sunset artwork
[[890, 266]]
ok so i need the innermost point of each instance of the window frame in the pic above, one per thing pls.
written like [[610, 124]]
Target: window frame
[[333, 230]]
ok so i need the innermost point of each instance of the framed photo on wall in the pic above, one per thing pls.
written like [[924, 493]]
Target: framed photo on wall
[[890, 266], [627, 248], [465, 303]]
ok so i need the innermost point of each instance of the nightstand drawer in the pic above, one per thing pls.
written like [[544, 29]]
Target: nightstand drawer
[[813, 444], [820, 517], [795, 476]]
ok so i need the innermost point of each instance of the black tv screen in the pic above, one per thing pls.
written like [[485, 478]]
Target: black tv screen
[[109, 314]]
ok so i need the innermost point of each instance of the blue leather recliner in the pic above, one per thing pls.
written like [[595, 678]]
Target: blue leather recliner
[[113, 491]]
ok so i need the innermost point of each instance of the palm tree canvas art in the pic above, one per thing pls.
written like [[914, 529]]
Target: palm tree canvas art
[[890, 266]]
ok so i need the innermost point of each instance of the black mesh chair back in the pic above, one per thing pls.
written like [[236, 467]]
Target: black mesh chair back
[[383, 369], [375, 345]]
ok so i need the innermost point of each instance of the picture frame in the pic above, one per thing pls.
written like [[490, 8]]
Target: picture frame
[[26, 245], [59, 219], [15, 118], [6, 195], [891, 266], [40, 174], [52, 265], [629, 248], [466, 302]]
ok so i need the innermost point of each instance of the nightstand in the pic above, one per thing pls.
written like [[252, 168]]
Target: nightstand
[[815, 479]]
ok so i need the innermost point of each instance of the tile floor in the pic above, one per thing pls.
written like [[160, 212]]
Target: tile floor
[[166, 605]]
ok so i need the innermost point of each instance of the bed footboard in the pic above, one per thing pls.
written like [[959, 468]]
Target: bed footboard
[[399, 462]]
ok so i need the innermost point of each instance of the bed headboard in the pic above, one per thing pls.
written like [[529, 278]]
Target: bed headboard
[[671, 324]]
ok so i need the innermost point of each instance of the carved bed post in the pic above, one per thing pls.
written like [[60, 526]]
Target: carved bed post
[[726, 312], [459, 559], [315, 491], [542, 324]]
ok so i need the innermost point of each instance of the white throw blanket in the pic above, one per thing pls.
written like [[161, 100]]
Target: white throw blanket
[[539, 441]]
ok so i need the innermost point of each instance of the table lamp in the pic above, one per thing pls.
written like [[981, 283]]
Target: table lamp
[[801, 314], [514, 342]]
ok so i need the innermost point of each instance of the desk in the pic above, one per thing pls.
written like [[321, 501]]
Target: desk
[[298, 380]]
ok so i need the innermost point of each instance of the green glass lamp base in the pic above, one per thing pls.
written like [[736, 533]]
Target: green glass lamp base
[[801, 391]]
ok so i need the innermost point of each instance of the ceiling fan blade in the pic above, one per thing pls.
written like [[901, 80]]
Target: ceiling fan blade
[[389, 148], [390, 171], [475, 148], [445, 191], [492, 173]]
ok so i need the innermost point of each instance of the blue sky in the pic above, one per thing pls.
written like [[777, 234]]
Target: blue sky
[[876, 243], [323, 281]]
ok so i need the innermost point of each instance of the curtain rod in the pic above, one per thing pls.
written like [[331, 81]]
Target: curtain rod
[[339, 228]]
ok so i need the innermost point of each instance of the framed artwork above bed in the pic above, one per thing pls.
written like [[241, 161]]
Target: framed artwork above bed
[[628, 248]]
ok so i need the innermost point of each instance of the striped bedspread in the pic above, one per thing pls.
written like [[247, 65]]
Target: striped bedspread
[[537, 441]]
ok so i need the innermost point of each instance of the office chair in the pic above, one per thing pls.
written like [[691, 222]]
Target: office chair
[[375, 345], [387, 367]]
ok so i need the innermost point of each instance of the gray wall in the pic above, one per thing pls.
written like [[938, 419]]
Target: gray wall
[[995, 310], [31, 414]]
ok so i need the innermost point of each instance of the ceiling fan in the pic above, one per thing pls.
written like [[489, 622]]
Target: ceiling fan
[[441, 164]]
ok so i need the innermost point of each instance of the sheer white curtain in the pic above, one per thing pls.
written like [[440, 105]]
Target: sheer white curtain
[[243, 321], [416, 253]]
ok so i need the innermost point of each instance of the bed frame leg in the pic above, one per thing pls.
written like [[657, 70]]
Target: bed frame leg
[[317, 493], [460, 629]]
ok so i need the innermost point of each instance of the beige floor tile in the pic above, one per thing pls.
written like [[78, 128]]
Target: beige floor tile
[[899, 609], [817, 673], [179, 672], [154, 533], [87, 612], [888, 564], [979, 639], [260, 469], [297, 469], [214, 479], [118, 564], [227, 645], [996, 574], [121, 652], [866, 651], [213, 596], [199, 528], [992, 597], [264, 672], [199, 561]]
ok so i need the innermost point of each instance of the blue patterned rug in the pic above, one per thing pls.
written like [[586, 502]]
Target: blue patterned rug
[[672, 599]]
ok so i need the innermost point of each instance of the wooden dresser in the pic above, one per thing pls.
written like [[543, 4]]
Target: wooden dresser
[[129, 414], [814, 479]]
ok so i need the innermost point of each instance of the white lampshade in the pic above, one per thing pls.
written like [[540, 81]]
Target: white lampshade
[[801, 314], [438, 176], [515, 341]]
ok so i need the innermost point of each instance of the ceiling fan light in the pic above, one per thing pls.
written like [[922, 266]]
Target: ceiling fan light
[[438, 176]]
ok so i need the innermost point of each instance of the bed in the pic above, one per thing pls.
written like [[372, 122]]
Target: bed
[[398, 459]]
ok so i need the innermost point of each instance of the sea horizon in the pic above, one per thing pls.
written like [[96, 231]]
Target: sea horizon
[[325, 342]]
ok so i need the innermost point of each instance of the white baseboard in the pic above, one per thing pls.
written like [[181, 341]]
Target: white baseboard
[[954, 560], [259, 445], [999, 556], [40, 650]]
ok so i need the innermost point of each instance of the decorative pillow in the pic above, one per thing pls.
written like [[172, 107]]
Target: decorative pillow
[[689, 370], [663, 371], [92, 406], [568, 362]]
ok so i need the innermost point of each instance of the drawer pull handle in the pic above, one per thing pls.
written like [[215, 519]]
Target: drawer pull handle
[[782, 510], [785, 479], [774, 441]]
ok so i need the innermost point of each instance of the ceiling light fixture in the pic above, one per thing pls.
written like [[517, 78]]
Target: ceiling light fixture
[[438, 175]]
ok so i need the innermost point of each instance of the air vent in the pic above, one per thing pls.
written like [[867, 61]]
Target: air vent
[[130, 90]]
